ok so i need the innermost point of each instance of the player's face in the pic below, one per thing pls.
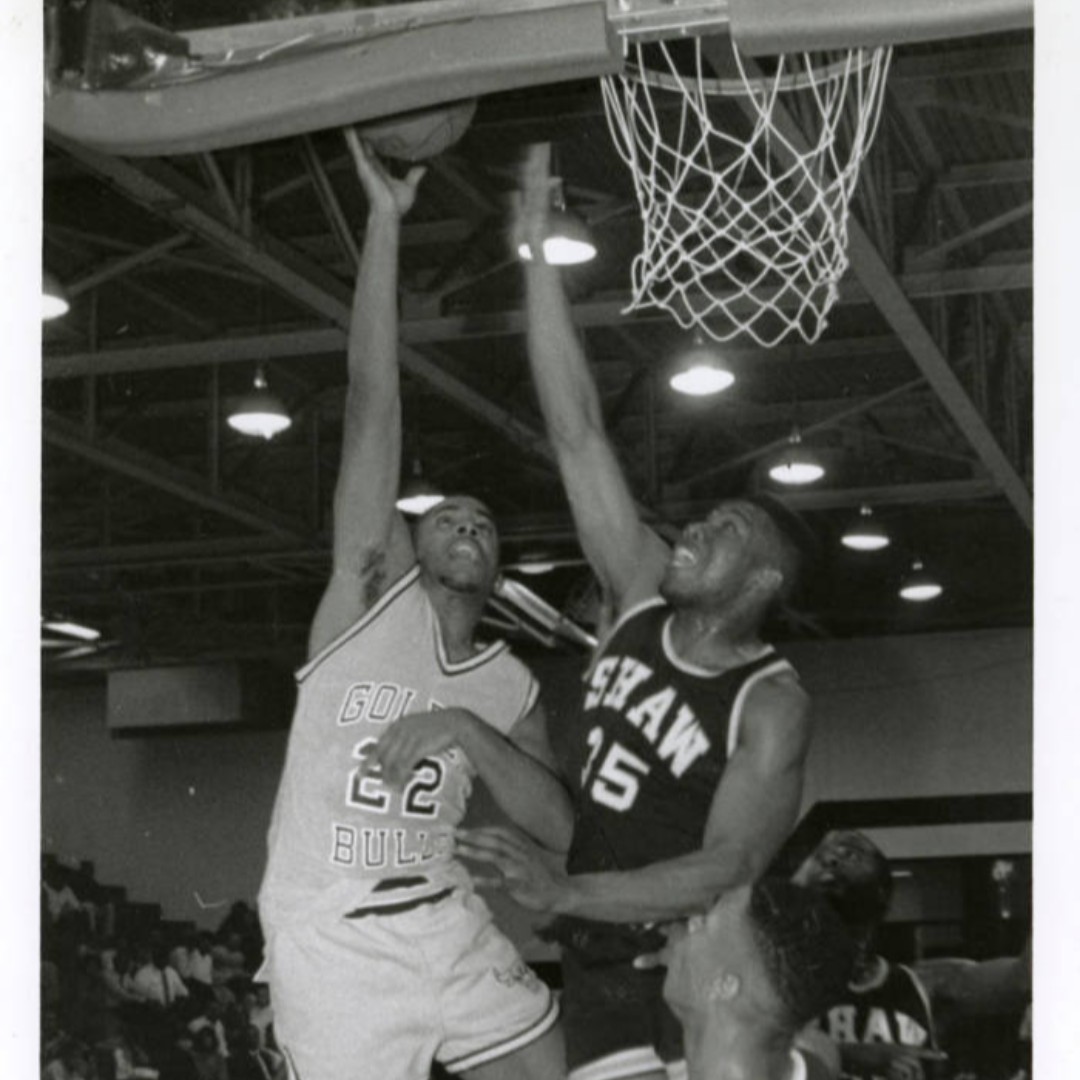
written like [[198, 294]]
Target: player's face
[[843, 858], [710, 947], [716, 560], [457, 543]]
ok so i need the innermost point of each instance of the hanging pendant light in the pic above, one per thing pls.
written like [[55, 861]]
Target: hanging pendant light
[[54, 301], [260, 412], [569, 241], [865, 532], [419, 494], [919, 586], [796, 463], [702, 370]]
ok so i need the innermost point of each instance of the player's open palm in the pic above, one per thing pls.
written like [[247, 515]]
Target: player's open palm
[[526, 870]]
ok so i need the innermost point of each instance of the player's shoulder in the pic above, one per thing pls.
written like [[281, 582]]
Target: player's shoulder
[[778, 686]]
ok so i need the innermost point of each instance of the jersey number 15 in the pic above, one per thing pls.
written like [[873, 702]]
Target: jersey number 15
[[615, 784]]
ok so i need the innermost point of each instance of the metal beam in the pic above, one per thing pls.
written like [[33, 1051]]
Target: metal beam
[[976, 232], [902, 317], [168, 195], [608, 311], [116, 267], [977, 174], [525, 530], [889, 296], [136, 464]]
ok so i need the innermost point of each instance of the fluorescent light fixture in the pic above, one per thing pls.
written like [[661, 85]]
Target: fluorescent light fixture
[[418, 502], [701, 380], [919, 586], [567, 244], [260, 413], [701, 370], [865, 533], [534, 566], [796, 464], [418, 495], [568, 241], [54, 301], [71, 629]]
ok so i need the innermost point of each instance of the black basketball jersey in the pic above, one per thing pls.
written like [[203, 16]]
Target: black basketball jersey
[[657, 735], [892, 1008]]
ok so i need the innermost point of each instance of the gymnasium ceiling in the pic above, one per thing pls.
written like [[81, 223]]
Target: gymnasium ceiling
[[182, 539]]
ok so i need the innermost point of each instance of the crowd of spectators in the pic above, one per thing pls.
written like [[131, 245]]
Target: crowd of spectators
[[125, 999]]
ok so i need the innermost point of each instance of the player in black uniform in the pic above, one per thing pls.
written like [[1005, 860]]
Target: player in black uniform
[[694, 731], [887, 1024], [745, 977]]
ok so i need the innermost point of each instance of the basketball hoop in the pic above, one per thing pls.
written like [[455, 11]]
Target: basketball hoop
[[743, 233]]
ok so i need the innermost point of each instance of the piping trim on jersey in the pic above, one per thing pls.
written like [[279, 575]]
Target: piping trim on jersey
[[531, 698], [798, 1066], [775, 668], [379, 606], [290, 1064], [450, 667], [924, 997], [508, 1046], [677, 1070], [692, 669], [617, 625], [621, 1065]]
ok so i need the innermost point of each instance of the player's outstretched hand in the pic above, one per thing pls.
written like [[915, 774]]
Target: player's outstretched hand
[[386, 194], [526, 873], [673, 932], [412, 738]]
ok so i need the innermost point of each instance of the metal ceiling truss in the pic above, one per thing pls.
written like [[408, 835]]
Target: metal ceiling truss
[[970, 362]]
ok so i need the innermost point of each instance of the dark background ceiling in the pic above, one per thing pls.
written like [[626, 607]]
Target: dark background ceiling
[[182, 539]]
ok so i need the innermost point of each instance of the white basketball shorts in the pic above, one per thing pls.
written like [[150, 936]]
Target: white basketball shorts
[[381, 995]]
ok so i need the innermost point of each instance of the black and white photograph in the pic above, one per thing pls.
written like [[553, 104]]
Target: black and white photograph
[[523, 558]]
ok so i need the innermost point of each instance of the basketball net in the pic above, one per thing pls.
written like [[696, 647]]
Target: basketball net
[[745, 234]]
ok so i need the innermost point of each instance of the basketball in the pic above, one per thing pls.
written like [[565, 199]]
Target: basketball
[[420, 134]]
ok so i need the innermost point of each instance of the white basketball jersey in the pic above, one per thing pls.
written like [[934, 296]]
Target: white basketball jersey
[[336, 823]]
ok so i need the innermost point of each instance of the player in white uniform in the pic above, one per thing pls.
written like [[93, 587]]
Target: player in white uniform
[[380, 957]]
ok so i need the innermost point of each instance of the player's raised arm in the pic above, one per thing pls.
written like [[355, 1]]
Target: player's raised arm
[[627, 556], [371, 545]]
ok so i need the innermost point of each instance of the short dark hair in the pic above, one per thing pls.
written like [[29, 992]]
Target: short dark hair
[[806, 948], [798, 546]]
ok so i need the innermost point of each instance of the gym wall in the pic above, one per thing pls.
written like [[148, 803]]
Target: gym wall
[[181, 819]]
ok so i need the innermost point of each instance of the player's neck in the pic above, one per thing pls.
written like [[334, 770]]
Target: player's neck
[[716, 1051], [458, 614], [714, 640], [869, 968]]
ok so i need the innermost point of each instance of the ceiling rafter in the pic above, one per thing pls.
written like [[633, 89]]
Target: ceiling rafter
[[991, 277], [136, 464], [166, 194], [526, 529], [889, 297]]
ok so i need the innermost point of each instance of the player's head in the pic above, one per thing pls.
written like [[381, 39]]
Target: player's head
[[457, 545], [766, 958], [748, 552], [853, 873]]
